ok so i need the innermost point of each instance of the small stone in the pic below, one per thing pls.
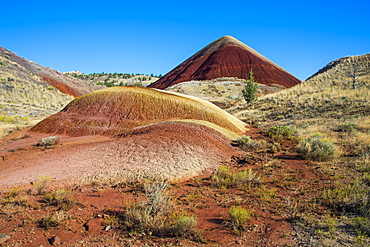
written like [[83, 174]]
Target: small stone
[[54, 240], [4, 238], [107, 228]]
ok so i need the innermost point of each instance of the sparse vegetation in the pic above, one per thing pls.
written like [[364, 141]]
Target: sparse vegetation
[[53, 220], [224, 177]]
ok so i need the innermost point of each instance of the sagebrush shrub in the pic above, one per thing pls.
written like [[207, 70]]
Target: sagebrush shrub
[[49, 141], [247, 144], [316, 149]]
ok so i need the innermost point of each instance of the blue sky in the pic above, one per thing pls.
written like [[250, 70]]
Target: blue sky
[[155, 36]]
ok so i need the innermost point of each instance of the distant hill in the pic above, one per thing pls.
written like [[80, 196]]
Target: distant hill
[[227, 57], [30, 90], [329, 93], [114, 79]]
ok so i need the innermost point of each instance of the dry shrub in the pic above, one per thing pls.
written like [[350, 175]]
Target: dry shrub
[[49, 141], [61, 198], [247, 144], [151, 215], [41, 184], [53, 220]]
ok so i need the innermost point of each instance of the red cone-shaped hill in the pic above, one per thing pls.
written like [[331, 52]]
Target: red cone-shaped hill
[[227, 57]]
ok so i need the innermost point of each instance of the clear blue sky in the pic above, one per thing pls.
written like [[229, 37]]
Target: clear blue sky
[[155, 36]]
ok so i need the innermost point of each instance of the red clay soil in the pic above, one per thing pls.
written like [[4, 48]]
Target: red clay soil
[[112, 111], [227, 57], [168, 150], [291, 179]]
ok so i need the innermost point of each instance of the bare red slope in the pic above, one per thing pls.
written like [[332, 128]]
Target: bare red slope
[[227, 57]]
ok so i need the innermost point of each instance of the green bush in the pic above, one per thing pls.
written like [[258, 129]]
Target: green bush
[[316, 149], [239, 216], [280, 132]]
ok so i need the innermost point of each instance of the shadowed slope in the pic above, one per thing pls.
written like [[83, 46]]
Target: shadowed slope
[[227, 57], [113, 110]]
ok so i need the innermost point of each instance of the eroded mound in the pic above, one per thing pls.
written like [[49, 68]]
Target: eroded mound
[[171, 150], [112, 111]]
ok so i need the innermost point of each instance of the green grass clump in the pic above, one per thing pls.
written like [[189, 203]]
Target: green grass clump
[[185, 226], [239, 216], [316, 149]]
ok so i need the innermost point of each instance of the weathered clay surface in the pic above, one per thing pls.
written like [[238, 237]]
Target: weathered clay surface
[[227, 57], [171, 150], [114, 110]]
